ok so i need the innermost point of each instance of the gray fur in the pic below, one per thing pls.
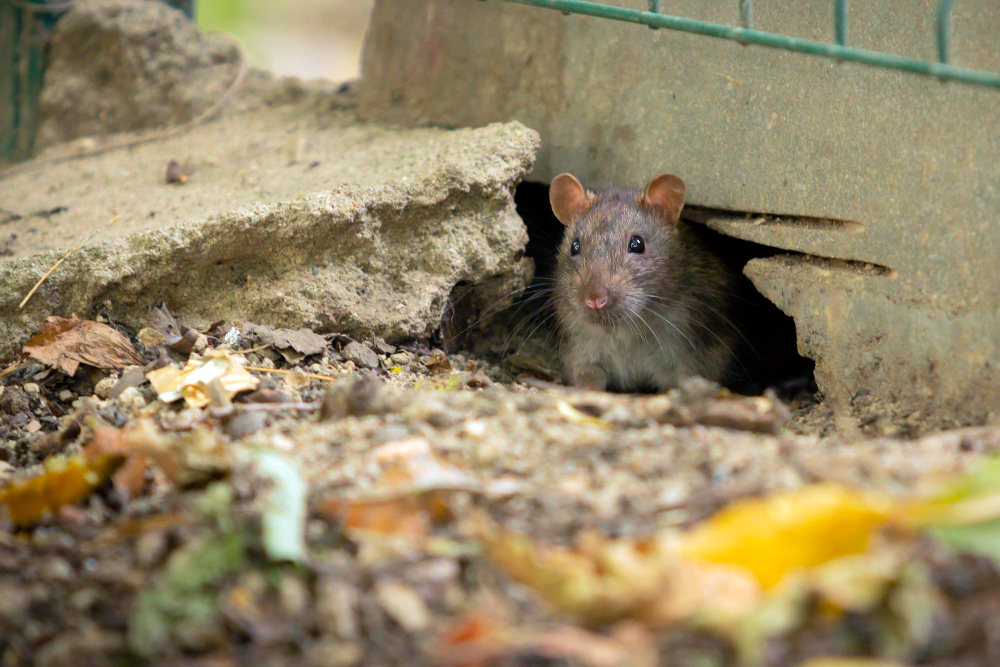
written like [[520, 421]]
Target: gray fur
[[669, 314]]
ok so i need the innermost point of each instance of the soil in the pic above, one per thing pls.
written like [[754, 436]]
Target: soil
[[119, 577]]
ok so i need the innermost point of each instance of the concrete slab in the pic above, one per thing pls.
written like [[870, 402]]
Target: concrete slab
[[298, 216]]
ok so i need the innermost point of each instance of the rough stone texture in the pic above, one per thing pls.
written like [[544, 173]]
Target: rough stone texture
[[127, 65], [392, 222], [894, 179]]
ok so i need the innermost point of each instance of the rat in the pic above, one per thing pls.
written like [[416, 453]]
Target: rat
[[642, 299]]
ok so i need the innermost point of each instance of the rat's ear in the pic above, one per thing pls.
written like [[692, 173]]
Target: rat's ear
[[569, 199], [665, 194]]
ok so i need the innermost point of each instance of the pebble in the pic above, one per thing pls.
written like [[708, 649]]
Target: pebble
[[131, 399], [31, 388], [293, 596], [403, 604], [337, 607], [401, 358], [65, 396], [362, 355], [103, 388]]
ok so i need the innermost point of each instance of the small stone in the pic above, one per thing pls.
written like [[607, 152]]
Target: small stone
[[200, 343], [57, 569], [150, 337], [6, 472], [65, 396], [293, 596], [337, 607], [403, 605], [362, 355], [401, 358], [132, 399], [14, 400], [150, 548], [34, 426], [382, 347], [332, 653], [103, 388], [31, 388]]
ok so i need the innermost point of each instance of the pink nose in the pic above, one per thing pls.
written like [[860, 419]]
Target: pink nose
[[596, 298]]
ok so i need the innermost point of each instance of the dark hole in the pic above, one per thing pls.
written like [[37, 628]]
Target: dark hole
[[769, 357]]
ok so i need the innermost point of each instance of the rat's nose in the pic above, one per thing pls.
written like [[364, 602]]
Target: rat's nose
[[596, 298]]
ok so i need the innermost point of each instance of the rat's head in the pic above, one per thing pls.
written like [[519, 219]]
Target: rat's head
[[619, 251]]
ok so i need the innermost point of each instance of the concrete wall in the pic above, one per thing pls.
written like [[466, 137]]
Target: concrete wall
[[886, 186]]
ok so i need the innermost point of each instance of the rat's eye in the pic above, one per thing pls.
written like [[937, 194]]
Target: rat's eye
[[636, 244], [574, 248]]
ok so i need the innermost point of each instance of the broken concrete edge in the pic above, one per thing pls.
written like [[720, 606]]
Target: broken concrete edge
[[862, 312], [184, 263]]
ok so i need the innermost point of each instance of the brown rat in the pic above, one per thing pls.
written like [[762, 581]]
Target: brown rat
[[642, 300]]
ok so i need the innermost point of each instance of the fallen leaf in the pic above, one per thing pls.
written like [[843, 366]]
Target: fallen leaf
[[965, 512], [63, 481], [438, 363], [130, 478], [479, 640], [603, 580], [297, 380], [408, 515], [189, 458], [64, 344], [191, 382], [775, 536], [303, 341]]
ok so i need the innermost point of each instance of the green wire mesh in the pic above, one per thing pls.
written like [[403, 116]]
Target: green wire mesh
[[25, 26], [838, 51]]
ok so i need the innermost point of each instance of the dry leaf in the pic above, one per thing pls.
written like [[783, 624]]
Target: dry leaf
[[63, 482], [191, 382], [410, 495], [438, 363], [411, 515], [302, 341], [604, 580], [187, 459], [775, 536], [64, 344], [478, 641]]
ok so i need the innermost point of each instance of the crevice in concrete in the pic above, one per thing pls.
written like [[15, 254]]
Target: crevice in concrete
[[706, 215]]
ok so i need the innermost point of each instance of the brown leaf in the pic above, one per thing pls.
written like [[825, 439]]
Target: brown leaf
[[131, 477], [64, 344], [438, 363], [303, 341]]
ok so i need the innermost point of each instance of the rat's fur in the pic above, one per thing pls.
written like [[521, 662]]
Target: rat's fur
[[669, 309]]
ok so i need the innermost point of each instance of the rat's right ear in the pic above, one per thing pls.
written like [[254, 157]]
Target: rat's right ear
[[569, 198]]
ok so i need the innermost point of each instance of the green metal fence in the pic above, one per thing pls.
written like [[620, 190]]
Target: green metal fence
[[839, 50], [25, 26]]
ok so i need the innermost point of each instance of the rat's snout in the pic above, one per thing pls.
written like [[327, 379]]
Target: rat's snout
[[596, 297]]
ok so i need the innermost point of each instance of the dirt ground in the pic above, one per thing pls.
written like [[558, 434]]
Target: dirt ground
[[171, 569]]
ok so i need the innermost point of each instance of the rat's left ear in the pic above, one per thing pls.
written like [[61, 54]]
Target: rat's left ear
[[665, 194]]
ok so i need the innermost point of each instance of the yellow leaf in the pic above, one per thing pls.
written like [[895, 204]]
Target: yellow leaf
[[63, 482], [604, 580], [775, 536]]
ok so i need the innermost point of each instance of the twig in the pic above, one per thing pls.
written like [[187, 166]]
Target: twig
[[63, 259], [13, 368], [327, 378]]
